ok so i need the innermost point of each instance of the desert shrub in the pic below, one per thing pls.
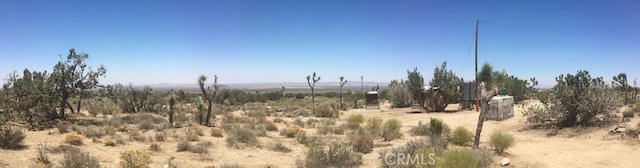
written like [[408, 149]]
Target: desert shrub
[[326, 110], [420, 129], [447, 82], [109, 130], [298, 121], [328, 121], [436, 126], [459, 158], [90, 131], [192, 135], [398, 153], [421, 158], [42, 156], [62, 127], [160, 136], [279, 147], [109, 141], [374, 126], [201, 147], [354, 121], [183, 146], [578, 99], [119, 139], [135, 159], [501, 141], [337, 155], [146, 125], [391, 130], [73, 139], [269, 126], [257, 114], [362, 141], [217, 132], [64, 149], [155, 147], [135, 134], [311, 122], [79, 160], [399, 94], [461, 136], [485, 157], [278, 120], [10, 137], [241, 135], [290, 131]]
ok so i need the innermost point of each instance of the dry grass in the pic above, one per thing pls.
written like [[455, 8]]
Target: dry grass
[[73, 139]]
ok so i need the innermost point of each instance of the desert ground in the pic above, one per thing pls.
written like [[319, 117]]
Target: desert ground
[[575, 147]]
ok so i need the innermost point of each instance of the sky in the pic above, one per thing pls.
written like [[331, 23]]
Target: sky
[[242, 41]]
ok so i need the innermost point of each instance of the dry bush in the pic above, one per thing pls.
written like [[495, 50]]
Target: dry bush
[[501, 141], [485, 157], [79, 160], [270, 126], [183, 146], [391, 130], [91, 131], [192, 135], [64, 149], [42, 156], [398, 153], [354, 121], [326, 110], [73, 139], [311, 122], [459, 157], [241, 135], [201, 147], [278, 120], [136, 135], [160, 136], [362, 141], [290, 131], [217, 132], [109, 141], [62, 127], [279, 147], [420, 129], [10, 137], [135, 159], [374, 126], [461, 136], [298, 121], [109, 130], [301, 136], [146, 125], [155, 147], [337, 155]]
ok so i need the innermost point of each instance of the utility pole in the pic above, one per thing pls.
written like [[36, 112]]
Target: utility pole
[[362, 87], [476, 74]]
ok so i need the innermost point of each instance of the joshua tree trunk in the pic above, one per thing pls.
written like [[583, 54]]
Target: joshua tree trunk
[[486, 95]]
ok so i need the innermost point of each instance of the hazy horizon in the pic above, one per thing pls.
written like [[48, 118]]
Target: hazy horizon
[[162, 41]]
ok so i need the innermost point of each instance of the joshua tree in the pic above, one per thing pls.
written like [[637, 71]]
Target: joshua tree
[[282, 91], [309, 78], [209, 94], [172, 103], [621, 81], [342, 82], [200, 105]]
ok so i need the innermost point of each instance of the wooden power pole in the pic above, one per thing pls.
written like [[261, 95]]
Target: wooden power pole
[[476, 82]]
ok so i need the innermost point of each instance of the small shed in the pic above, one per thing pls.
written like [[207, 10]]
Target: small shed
[[500, 108], [371, 100]]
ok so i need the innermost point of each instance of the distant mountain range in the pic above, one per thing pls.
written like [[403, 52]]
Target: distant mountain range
[[274, 86]]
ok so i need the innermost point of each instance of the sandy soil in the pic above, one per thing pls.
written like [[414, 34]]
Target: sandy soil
[[589, 147]]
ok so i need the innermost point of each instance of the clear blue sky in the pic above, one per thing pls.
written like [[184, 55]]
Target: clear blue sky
[[160, 41]]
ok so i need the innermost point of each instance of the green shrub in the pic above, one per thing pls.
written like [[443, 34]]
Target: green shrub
[[459, 158], [501, 141], [11, 138], [424, 158], [337, 155], [135, 159], [435, 127], [461, 136], [420, 130], [362, 141], [399, 94], [354, 121], [79, 160], [400, 153], [391, 130], [374, 126]]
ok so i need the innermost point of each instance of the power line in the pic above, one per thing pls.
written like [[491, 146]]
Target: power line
[[527, 28], [468, 52]]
